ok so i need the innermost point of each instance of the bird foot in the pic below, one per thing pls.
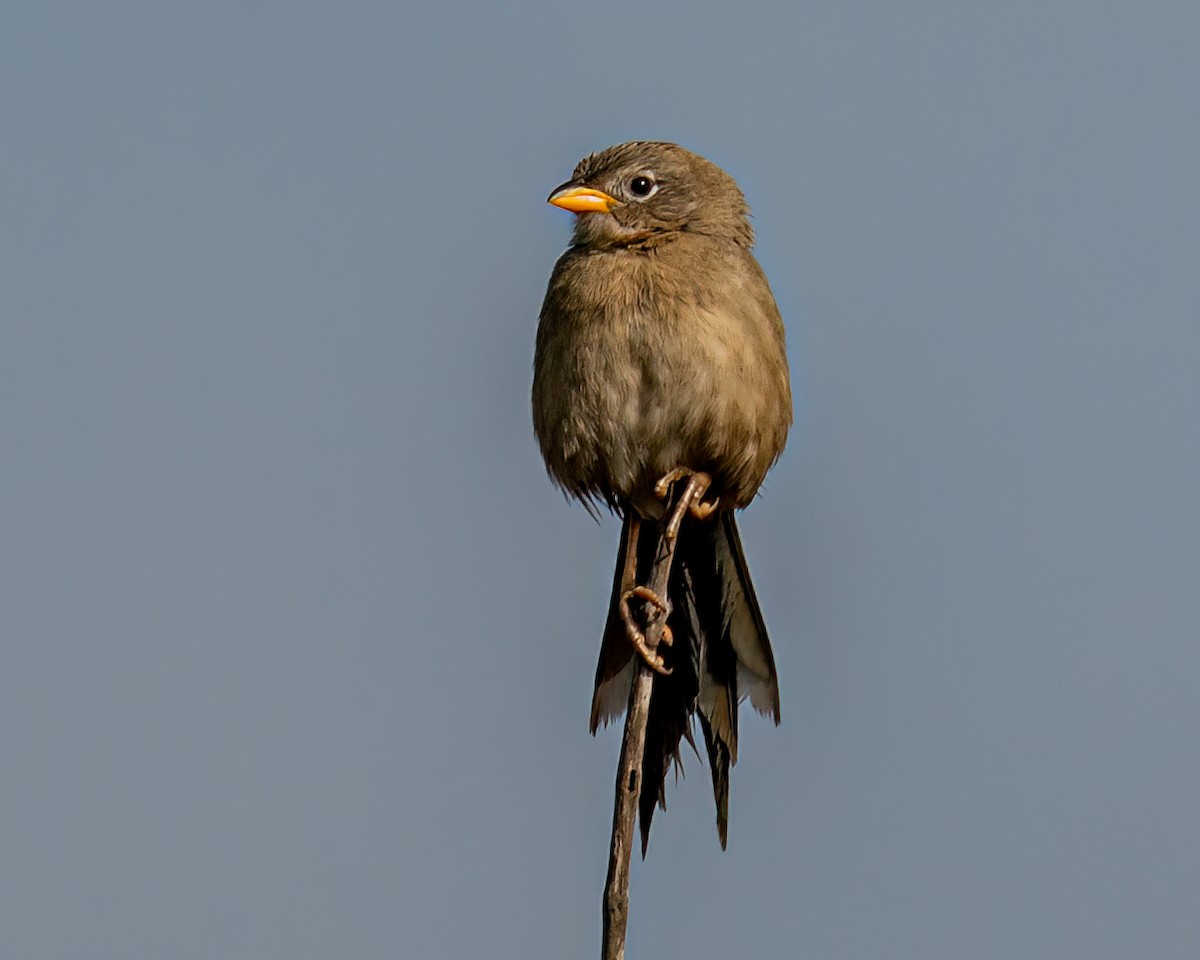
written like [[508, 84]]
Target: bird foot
[[637, 637], [690, 501]]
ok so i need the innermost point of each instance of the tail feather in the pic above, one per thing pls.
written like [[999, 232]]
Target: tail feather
[[745, 628], [614, 671], [719, 762], [720, 655]]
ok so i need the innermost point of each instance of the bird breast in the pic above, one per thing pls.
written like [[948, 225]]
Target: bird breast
[[642, 367]]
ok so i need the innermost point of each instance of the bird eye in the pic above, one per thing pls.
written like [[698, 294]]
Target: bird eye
[[641, 186]]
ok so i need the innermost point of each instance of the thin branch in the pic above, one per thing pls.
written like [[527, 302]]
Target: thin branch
[[633, 744]]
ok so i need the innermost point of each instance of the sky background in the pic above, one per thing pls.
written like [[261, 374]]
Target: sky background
[[296, 637]]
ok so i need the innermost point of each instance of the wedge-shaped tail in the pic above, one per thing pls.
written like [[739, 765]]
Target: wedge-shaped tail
[[720, 656]]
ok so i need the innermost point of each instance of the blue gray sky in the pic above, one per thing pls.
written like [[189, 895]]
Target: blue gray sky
[[296, 638]]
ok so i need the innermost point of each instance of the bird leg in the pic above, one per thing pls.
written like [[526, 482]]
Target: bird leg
[[630, 590], [636, 637], [690, 500]]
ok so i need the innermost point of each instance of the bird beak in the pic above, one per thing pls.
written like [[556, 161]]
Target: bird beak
[[582, 199]]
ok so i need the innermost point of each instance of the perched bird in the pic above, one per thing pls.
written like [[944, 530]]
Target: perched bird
[[660, 352]]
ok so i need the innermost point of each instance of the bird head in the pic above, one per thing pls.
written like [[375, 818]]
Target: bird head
[[644, 193]]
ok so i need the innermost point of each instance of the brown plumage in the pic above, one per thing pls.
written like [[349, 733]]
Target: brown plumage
[[660, 346]]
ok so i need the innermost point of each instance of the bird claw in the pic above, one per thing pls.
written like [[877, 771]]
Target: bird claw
[[663, 487], [690, 500], [637, 637]]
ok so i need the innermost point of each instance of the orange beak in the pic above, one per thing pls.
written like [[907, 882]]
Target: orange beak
[[582, 199]]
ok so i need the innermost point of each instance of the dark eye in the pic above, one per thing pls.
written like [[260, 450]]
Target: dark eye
[[641, 186]]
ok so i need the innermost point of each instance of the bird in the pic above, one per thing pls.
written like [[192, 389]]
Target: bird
[[661, 354]]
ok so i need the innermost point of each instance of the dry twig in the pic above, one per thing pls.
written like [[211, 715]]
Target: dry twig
[[633, 743]]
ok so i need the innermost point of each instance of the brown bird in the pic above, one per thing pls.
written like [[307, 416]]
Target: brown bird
[[660, 353]]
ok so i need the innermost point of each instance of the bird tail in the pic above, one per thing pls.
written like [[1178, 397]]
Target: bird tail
[[720, 656]]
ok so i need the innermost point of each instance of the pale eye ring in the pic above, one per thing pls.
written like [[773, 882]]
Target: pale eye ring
[[642, 186]]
